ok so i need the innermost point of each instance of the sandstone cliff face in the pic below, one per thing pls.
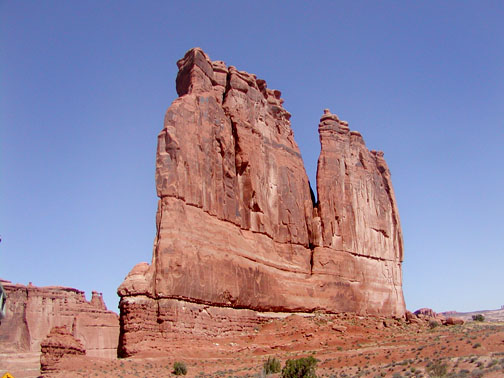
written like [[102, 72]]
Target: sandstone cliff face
[[31, 313], [237, 227]]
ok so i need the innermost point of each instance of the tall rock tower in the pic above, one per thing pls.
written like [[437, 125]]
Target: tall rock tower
[[238, 232]]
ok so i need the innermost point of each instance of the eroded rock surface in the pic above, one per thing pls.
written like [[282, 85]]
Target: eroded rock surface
[[59, 343], [31, 313], [239, 234]]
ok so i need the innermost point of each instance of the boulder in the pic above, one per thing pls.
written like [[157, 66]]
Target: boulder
[[453, 321], [339, 328]]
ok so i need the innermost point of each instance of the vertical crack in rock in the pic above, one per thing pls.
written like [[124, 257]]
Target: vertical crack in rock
[[239, 228], [240, 165], [159, 319], [312, 251], [312, 196]]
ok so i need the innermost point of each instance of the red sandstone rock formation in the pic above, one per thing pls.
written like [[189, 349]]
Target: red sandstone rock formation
[[454, 321], [33, 311], [59, 343], [426, 312], [412, 318], [429, 315], [238, 232]]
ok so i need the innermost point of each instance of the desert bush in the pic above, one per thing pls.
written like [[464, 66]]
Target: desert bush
[[477, 373], [300, 368], [437, 370], [179, 368], [272, 366], [478, 318], [433, 324]]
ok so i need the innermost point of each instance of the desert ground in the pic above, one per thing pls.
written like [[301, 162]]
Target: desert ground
[[344, 345]]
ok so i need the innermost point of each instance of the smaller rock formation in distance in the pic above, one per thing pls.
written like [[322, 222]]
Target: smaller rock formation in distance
[[59, 343], [31, 313], [430, 316]]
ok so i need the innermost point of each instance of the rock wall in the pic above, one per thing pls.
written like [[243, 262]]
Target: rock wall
[[237, 226], [31, 313]]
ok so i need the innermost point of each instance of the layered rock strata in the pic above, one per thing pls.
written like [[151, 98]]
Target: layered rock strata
[[59, 343], [31, 313], [239, 234]]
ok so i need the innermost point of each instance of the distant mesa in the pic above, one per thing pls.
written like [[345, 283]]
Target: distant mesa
[[239, 234], [32, 312]]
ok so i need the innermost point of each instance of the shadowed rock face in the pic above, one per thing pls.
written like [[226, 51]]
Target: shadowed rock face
[[237, 227]]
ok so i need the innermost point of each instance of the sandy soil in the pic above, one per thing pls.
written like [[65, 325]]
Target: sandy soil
[[346, 346]]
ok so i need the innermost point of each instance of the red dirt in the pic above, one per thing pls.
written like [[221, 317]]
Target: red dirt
[[368, 347]]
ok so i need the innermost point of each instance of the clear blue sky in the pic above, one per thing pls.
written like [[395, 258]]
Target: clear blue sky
[[84, 86]]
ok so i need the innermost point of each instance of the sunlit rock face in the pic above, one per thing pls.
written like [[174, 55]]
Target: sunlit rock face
[[32, 311], [239, 234]]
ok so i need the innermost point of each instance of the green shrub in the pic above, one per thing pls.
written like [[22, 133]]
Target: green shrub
[[478, 318], [300, 368], [433, 324], [179, 368], [272, 366]]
